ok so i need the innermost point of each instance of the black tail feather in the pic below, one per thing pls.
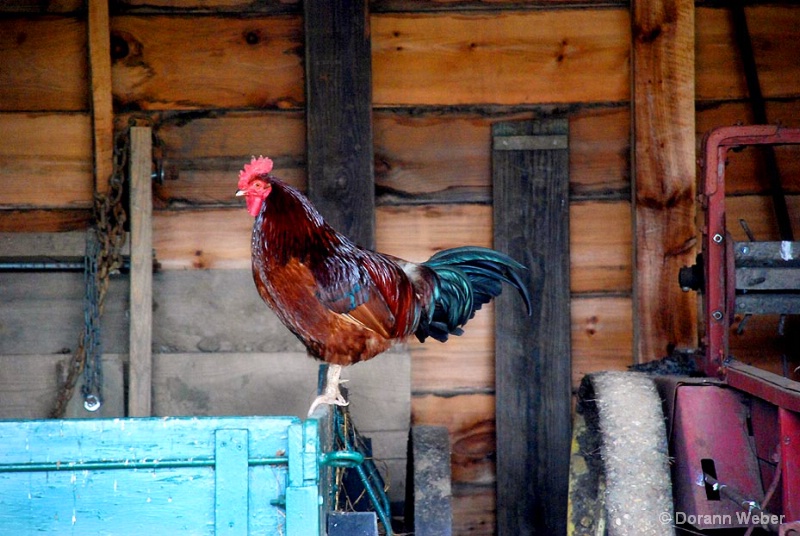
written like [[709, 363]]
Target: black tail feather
[[467, 278]]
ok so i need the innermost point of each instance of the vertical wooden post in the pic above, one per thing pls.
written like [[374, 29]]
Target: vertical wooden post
[[141, 277], [664, 159], [339, 115], [530, 161], [428, 494], [102, 107]]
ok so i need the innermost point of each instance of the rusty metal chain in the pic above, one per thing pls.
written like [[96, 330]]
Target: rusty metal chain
[[92, 333], [109, 232]]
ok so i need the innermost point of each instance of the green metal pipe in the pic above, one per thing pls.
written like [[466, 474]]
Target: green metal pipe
[[143, 464]]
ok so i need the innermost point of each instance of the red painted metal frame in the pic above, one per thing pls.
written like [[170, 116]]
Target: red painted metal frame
[[710, 422], [790, 462], [717, 253], [718, 308]]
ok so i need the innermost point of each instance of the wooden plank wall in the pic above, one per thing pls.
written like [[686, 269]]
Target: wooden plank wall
[[222, 80]]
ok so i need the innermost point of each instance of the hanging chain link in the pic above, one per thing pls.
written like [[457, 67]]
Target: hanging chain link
[[92, 335], [103, 258]]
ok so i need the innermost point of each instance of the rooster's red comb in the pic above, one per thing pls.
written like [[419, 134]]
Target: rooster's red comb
[[257, 166]]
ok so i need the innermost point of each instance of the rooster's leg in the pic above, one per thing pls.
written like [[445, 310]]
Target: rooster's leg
[[332, 395]]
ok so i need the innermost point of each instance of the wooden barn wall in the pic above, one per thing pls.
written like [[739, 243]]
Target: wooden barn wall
[[222, 80]]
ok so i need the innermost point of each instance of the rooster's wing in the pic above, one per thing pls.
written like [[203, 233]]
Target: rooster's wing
[[346, 287]]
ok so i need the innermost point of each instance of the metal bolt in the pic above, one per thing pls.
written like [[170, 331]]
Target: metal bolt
[[91, 403], [744, 250], [717, 315], [717, 238]]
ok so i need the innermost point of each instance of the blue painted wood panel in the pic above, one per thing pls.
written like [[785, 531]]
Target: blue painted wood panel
[[157, 475]]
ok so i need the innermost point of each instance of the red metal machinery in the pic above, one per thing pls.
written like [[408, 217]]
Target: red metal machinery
[[735, 434]]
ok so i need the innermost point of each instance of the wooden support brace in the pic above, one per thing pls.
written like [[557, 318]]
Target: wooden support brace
[[664, 158], [532, 354], [141, 277], [102, 106], [339, 116], [232, 482]]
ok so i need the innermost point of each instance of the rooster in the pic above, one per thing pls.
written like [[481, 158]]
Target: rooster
[[346, 303]]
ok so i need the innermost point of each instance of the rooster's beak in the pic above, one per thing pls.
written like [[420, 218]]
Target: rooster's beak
[[240, 193]]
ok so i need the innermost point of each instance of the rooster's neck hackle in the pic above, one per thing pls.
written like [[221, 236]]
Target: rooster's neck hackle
[[288, 224]]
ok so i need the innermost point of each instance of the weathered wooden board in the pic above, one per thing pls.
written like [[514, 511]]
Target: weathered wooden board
[[602, 335], [718, 65], [206, 6], [29, 383], [599, 153], [273, 6], [50, 64], [44, 220], [600, 254], [164, 62], [36, 7], [419, 158], [338, 76], [461, 365], [140, 340], [583, 56], [99, 45], [600, 247], [204, 152], [43, 314], [378, 6], [422, 156], [474, 510], [531, 223], [430, 228], [200, 239], [207, 311], [664, 162], [600, 261], [574, 56], [428, 156], [220, 238], [35, 148], [469, 420], [288, 6], [212, 311], [207, 62]]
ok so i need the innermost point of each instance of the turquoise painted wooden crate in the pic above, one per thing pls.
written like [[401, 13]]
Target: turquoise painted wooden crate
[[148, 476]]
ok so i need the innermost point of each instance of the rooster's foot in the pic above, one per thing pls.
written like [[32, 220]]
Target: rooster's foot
[[332, 395]]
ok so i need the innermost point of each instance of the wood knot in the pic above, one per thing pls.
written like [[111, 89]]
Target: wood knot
[[253, 37], [648, 35], [119, 47], [591, 325]]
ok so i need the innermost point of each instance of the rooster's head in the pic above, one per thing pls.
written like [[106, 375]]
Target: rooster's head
[[254, 183]]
